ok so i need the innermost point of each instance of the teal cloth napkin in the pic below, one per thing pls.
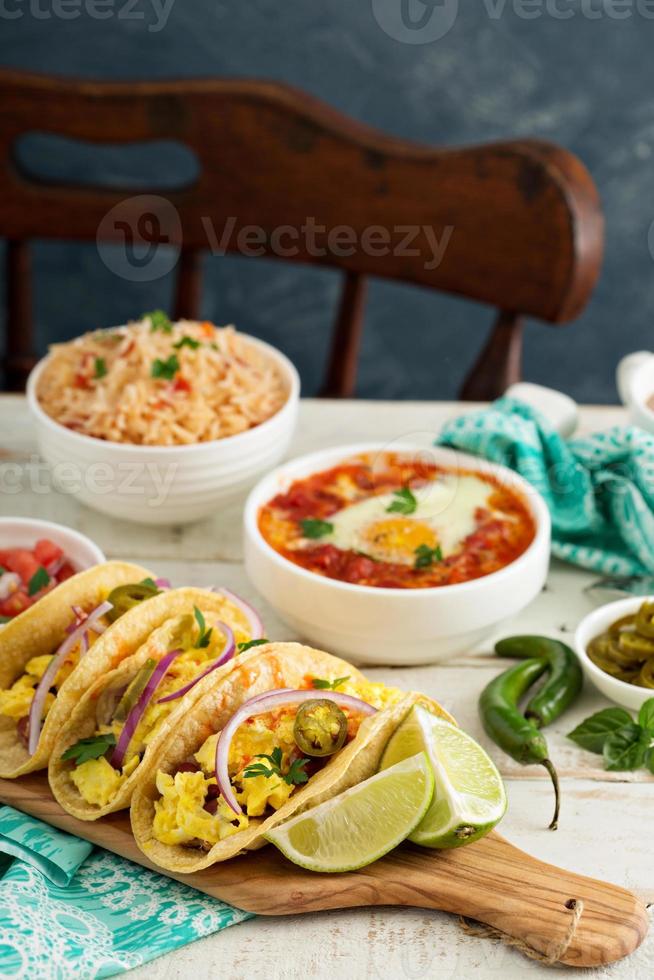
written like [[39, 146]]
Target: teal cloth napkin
[[599, 489], [70, 911]]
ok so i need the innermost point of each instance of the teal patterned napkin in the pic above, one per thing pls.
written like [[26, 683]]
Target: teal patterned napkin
[[599, 489], [71, 911]]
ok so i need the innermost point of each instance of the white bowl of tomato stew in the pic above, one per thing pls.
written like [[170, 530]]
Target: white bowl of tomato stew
[[402, 557]]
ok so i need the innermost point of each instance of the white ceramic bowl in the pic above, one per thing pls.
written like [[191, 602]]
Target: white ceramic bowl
[[162, 484], [596, 622], [23, 532], [392, 626]]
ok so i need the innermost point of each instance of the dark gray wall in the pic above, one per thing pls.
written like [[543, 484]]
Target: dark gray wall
[[578, 72]]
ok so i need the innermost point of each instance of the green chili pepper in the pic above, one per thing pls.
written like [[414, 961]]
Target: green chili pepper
[[516, 735], [563, 684]]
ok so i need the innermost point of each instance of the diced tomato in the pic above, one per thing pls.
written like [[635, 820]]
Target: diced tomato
[[23, 562], [181, 384], [15, 603], [47, 552], [65, 572]]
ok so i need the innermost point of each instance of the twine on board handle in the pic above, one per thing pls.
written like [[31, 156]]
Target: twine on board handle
[[575, 905]]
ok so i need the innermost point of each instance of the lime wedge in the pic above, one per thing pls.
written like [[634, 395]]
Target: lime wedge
[[469, 796], [362, 824]]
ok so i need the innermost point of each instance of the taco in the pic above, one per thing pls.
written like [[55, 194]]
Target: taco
[[52, 651], [288, 728], [106, 745]]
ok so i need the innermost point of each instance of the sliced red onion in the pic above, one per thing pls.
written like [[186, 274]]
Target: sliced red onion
[[226, 655], [44, 685], [162, 583], [55, 566], [250, 613], [271, 700], [137, 712]]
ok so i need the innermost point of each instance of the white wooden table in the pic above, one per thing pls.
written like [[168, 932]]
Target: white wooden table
[[607, 820]]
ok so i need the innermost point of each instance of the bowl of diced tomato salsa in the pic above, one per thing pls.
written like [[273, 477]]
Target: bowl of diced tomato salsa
[[35, 557]]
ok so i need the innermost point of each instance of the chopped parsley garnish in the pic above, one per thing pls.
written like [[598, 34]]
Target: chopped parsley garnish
[[159, 321], [38, 581], [149, 581], [315, 528], [165, 369], [426, 556], [404, 503], [89, 748], [100, 367], [205, 634], [242, 647], [2, 570], [187, 342], [322, 685], [294, 777], [5, 619]]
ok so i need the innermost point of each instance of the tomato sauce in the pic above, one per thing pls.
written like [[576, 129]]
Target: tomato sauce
[[503, 530]]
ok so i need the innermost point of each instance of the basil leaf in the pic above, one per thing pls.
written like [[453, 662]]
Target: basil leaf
[[592, 733], [625, 749], [646, 714]]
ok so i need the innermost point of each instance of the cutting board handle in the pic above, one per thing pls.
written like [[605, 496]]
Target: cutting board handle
[[557, 915]]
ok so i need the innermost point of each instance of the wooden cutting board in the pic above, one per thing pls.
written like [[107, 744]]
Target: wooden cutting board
[[490, 881]]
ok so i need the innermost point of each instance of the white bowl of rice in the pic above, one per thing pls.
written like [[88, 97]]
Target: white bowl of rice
[[162, 422]]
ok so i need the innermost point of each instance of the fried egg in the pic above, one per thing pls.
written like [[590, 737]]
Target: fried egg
[[443, 518]]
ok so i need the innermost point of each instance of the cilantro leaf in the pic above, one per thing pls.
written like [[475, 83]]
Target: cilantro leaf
[[315, 528], [158, 321], [100, 367], [592, 733], [89, 748], [187, 342], [404, 503], [322, 685], [38, 581], [248, 644], [165, 369], [293, 777], [204, 638], [296, 774], [426, 556]]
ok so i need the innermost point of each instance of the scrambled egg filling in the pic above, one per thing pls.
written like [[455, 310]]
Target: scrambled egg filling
[[180, 814], [15, 702], [99, 782]]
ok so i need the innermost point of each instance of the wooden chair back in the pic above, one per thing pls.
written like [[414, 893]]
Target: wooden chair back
[[516, 225]]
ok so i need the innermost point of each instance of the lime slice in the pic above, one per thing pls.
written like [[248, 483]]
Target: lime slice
[[363, 823], [469, 796]]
